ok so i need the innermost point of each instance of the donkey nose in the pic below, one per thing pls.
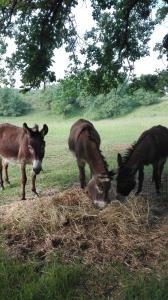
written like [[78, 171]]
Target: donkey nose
[[37, 166], [37, 171], [99, 204]]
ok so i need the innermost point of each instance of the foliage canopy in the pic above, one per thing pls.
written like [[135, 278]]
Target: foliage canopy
[[120, 36]]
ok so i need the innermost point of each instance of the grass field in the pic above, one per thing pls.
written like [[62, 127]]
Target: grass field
[[60, 172]]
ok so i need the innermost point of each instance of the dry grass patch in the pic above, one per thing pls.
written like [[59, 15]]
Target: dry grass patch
[[68, 223]]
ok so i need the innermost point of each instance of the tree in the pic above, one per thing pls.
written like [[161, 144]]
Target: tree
[[163, 81], [157, 83], [38, 27], [120, 37], [147, 82]]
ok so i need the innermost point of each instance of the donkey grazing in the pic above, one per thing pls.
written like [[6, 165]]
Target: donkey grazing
[[84, 142], [25, 146], [151, 148]]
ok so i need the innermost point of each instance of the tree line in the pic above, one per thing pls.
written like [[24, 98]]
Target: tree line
[[76, 95]]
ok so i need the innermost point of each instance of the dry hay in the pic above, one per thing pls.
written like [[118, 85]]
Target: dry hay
[[68, 223]]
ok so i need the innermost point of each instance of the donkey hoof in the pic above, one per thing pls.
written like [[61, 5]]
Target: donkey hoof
[[35, 193], [1, 188]]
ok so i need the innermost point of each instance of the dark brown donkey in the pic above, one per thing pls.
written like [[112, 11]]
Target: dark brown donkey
[[25, 146], [84, 142], [151, 148]]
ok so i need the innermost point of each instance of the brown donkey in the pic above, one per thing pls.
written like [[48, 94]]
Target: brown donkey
[[151, 148], [84, 142], [25, 146]]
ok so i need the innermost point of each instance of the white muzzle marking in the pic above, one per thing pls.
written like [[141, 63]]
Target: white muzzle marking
[[100, 204], [36, 164]]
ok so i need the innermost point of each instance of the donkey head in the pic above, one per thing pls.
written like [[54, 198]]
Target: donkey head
[[99, 188], [125, 179], [36, 145]]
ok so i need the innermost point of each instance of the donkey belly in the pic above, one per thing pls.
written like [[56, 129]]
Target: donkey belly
[[9, 160], [151, 156], [9, 151]]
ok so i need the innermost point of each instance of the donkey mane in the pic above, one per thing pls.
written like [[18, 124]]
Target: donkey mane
[[35, 128], [132, 148], [129, 152], [104, 161]]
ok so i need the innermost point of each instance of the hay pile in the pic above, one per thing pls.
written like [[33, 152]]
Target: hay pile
[[68, 223]]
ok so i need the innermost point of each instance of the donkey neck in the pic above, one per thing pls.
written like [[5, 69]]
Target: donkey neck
[[97, 162], [136, 156]]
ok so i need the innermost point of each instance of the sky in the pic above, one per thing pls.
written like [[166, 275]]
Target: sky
[[84, 21]]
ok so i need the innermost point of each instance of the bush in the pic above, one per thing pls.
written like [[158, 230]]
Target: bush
[[11, 103], [143, 97], [69, 97], [116, 103], [65, 97]]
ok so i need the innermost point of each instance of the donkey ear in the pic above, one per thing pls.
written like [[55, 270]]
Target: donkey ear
[[44, 130], [27, 129], [119, 160]]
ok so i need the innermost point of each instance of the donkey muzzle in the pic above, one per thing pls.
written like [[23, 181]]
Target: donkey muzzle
[[37, 166], [100, 204]]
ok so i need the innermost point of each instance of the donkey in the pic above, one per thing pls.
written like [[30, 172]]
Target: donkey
[[151, 148], [84, 142], [23, 145]]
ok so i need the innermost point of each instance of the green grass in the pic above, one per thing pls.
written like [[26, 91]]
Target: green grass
[[33, 280], [145, 288], [60, 169]]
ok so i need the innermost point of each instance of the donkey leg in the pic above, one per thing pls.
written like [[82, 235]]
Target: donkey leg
[[160, 168], [34, 184], [156, 178], [90, 174], [82, 178], [1, 177], [140, 180], [23, 180], [5, 168], [153, 176]]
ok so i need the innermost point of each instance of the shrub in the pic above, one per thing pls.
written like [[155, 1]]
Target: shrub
[[65, 97], [143, 97], [11, 103], [116, 102]]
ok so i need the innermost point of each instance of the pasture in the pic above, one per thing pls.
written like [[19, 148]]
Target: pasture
[[59, 165], [123, 280]]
